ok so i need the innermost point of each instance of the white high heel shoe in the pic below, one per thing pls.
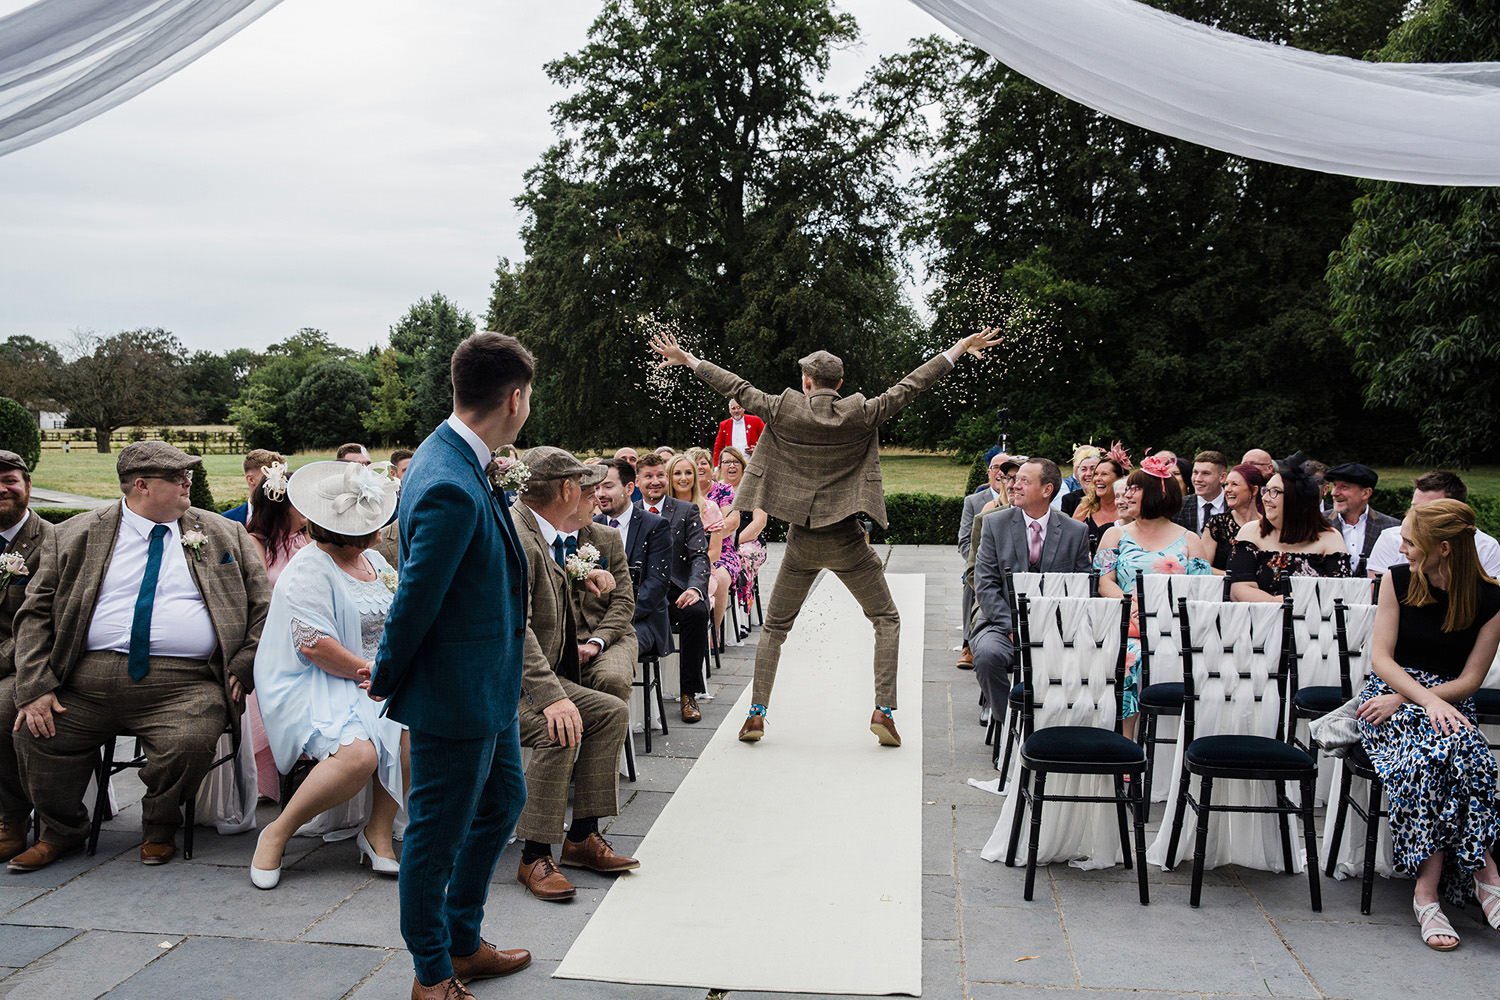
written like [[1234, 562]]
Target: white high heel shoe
[[263, 878], [378, 865]]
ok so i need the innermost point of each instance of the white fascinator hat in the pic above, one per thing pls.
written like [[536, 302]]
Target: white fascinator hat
[[345, 498]]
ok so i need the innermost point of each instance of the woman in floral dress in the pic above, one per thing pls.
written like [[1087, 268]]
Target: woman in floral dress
[[1290, 539]]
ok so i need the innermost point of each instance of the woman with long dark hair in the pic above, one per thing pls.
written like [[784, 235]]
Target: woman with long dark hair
[[1241, 506], [276, 527], [1289, 539]]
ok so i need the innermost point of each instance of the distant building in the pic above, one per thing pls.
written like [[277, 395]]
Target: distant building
[[50, 420]]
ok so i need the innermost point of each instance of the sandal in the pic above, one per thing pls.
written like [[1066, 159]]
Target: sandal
[[1433, 925], [1489, 901]]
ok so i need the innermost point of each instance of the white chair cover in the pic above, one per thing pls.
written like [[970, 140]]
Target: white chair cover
[[227, 797], [1066, 584], [1316, 636]]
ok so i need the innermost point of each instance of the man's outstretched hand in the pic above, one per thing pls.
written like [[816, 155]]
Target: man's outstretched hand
[[977, 343], [672, 353]]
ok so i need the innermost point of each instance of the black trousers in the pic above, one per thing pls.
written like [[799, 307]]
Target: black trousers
[[692, 641]]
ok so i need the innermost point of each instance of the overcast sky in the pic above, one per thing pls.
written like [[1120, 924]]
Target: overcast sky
[[326, 167]]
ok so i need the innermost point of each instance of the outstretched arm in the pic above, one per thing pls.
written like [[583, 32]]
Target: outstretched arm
[[893, 400], [724, 382]]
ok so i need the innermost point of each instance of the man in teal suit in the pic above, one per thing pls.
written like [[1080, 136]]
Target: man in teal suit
[[450, 665]]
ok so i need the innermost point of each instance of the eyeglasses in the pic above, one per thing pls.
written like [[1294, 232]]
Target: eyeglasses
[[1272, 492], [181, 479], [1132, 489]]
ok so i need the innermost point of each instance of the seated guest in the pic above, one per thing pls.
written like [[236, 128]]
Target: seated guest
[[604, 624], [1097, 511], [726, 568], [704, 463], [388, 543], [742, 430], [687, 589], [575, 733], [1289, 539], [1085, 458], [1360, 524], [1435, 485], [255, 464], [1262, 460], [992, 493], [400, 459], [1319, 473], [352, 452], [629, 455], [1437, 625], [648, 553], [666, 451], [143, 618], [1242, 505], [752, 552], [24, 535], [327, 616], [1206, 500], [1027, 537], [277, 528]]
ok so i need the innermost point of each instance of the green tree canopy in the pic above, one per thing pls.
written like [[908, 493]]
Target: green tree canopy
[[330, 404], [19, 432], [263, 410], [427, 335], [29, 370], [122, 380]]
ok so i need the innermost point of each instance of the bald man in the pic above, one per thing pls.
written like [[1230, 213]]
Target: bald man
[[1261, 459]]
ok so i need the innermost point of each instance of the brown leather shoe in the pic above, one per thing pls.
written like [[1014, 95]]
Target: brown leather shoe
[[965, 659], [596, 854], [489, 962], [545, 880], [12, 841], [154, 853], [690, 711], [39, 856], [753, 729], [884, 728], [448, 989]]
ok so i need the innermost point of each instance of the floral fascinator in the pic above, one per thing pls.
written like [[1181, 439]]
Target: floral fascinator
[[1119, 454], [1159, 466], [273, 482]]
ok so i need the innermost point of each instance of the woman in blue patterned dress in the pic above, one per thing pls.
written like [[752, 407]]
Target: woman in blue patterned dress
[[1436, 630], [1152, 543]]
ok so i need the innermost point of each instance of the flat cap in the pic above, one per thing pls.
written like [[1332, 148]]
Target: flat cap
[[546, 462], [1010, 464], [1352, 472], [10, 460], [153, 456], [823, 366]]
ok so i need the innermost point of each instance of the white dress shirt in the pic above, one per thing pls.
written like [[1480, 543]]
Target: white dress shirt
[[9, 534], [1030, 521], [482, 452], [1354, 534], [738, 437], [180, 625], [624, 519], [1387, 552], [1216, 506]]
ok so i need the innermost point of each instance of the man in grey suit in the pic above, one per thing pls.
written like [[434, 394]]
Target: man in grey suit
[[1028, 536], [817, 467], [1360, 524], [1001, 468]]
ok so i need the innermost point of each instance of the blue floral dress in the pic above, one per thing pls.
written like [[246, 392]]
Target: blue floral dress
[[1126, 561]]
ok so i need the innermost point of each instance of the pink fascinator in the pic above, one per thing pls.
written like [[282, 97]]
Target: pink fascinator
[[1119, 454], [1159, 466]]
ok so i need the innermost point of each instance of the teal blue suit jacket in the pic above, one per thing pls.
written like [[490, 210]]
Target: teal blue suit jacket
[[450, 660]]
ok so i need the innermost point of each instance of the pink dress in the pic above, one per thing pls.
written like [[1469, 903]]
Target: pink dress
[[267, 778]]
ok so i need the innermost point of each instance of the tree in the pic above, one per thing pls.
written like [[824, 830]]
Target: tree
[[428, 334], [262, 411], [212, 382], [19, 432], [389, 419], [126, 379], [330, 403], [28, 371], [1416, 284], [199, 494]]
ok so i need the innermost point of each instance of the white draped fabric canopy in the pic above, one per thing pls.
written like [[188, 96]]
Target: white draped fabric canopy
[[1427, 123]]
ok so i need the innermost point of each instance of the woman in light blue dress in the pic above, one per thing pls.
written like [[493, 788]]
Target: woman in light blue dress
[[1151, 543], [326, 618]]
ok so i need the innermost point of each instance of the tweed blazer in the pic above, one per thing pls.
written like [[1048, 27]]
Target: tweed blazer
[[818, 461], [551, 638], [52, 627], [1003, 545], [389, 544], [610, 617], [28, 543], [1377, 523]]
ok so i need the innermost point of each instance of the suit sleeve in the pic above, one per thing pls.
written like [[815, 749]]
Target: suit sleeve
[[965, 529], [443, 519], [891, 402], [258, 603], [656, 570], [727, 383], [540, 684], [989, 576], [621, 612], [1081, 561], [34, 632], [697, 552]]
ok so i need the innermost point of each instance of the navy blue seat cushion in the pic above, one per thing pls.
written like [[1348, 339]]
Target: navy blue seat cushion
[[1018, 692], [1162, 696], [1487, 701], [1250, 753], [1318, 700], [1082, 745]]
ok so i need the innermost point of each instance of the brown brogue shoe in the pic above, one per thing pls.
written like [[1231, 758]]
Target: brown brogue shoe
[[690, 710], [753, 729], [154, 853], [39, 856], [965, 659], [12, 841], [448, 989], [489, 962], [884, 728], [545, 880], [596, 854]]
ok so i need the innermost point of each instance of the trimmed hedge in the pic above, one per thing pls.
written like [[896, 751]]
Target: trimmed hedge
[[916, 519], [19, 432]]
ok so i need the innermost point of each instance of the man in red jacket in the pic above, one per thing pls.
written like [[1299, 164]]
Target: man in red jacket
[[741, 430]]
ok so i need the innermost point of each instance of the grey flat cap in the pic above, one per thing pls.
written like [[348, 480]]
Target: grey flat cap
[[823, 366], [153, 456], [596, 474], [546, 462], [10, 460]]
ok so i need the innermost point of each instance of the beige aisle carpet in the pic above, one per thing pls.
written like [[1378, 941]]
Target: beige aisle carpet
[[792, 865]]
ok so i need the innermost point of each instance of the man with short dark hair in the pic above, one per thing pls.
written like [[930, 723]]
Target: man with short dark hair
[[256, 462], [648, 554], [389, 543], [1206, 498], [1001, 467], [1435, 485], [400, 459], [352, 452], [1361, 524], [687, 586]]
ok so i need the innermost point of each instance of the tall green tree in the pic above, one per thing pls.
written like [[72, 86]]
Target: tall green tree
[[263, 410], [1416, 284], [29, 370], [330, 403], [389, 419], [428, 334], [212, 382], [122, 380]]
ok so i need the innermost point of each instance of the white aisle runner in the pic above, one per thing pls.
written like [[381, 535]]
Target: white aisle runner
[[791, 865]]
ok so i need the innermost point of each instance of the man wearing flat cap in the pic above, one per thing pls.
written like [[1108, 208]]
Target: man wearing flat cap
[[142, 619], [22, 535], [817, 467], [575, 733], [1361, 524]]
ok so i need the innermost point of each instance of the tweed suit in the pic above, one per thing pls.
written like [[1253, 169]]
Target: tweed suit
[[15, 807], [551, 673], [179, 710], [608, 618], [817, 467], [1377, 522]]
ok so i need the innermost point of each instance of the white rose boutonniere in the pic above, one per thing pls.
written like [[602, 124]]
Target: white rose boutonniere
[[580, 564], [509, 475], [12, 565], [194, 540], [389, 578]]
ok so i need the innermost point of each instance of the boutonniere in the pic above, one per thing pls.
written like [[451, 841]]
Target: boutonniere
[[509, 475], [12, 564], [580, 564], [194, 540], [389, 578]]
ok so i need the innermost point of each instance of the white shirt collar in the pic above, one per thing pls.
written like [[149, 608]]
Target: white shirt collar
[[1034, 520], [482, 453], [1364, 516], [660, 505], [549, 533], [1217, 503], [623, 518], [10, 534], [141, 525]]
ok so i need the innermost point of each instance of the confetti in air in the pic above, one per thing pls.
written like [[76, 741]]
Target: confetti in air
[[1031, 345], [670, 394]]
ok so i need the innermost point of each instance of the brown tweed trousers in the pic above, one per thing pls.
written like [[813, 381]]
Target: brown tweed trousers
[[551, 673], [610, 618], [178, 710], [15, 807], [817, 467]]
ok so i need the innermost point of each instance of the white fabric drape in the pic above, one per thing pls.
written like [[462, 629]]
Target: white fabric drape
[[1431, 123], [64, 61]]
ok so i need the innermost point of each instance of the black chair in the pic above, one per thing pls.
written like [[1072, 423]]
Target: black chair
[[1316, 700], [1243, 758], [759, 612], [651, 679], [1077, 750]]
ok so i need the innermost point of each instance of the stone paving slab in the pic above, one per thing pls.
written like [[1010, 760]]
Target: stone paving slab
[[87, 966], [250, 970], [20, 946]]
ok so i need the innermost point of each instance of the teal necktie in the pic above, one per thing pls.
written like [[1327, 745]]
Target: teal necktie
[[559, 551], [140, 628]]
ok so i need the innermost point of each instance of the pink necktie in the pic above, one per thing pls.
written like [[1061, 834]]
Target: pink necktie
[[1034, 550]]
